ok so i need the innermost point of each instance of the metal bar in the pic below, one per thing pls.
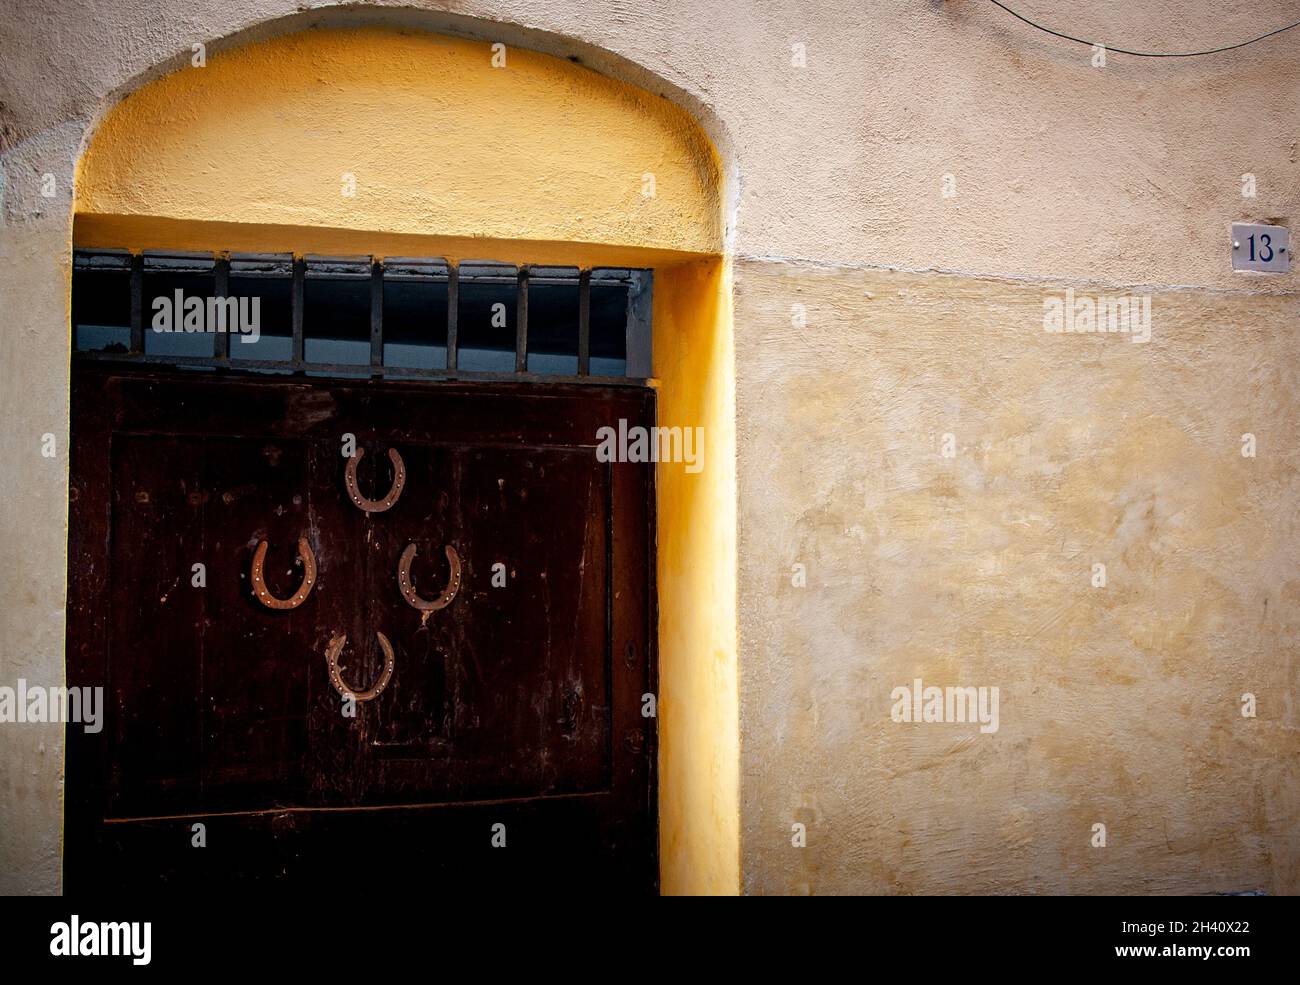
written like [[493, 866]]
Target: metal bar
[[453, 306], [639, 336], [521, 322], [137, 302], [221, 289], [299, 298], [376, 313], [353, 371], [584, 322]]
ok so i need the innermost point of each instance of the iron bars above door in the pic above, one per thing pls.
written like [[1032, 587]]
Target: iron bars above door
[[358, 317]]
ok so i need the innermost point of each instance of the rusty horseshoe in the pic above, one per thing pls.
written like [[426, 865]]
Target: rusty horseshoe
[[263, 594], [408, 587], [336, 677], [354, 491]]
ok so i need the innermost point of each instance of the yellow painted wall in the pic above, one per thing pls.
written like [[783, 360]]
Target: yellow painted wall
[[439, 141], [699, 740], [541, 161]]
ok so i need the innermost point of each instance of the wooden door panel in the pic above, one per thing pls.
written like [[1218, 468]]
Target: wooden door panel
[[518, 700], [255, 670], [520, 654], [554, 847], [532, 681], [155, 659], [208, 702]]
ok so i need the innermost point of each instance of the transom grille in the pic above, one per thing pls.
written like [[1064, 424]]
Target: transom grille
[[357, 317]]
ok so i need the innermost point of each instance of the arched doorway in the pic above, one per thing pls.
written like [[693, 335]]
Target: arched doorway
[[386, 144]]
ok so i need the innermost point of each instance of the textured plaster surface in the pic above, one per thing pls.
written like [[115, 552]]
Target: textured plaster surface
[[33, 536], [1129, 173], [1117, 707]]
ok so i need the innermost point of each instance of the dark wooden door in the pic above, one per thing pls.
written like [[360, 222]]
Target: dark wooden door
[[518, 705]]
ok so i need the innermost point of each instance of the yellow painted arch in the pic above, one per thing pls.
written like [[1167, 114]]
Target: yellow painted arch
[[441, 136]]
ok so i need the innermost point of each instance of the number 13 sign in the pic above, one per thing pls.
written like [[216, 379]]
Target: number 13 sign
[[1256, 247]]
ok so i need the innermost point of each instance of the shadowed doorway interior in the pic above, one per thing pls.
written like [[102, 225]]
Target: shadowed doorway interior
[[402, 622]]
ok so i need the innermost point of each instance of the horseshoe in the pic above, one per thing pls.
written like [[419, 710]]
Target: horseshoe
[[408, 587], [375, 505], [336, 678], [263, 594]]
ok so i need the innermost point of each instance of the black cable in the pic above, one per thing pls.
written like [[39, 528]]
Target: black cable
[[1141, 54]]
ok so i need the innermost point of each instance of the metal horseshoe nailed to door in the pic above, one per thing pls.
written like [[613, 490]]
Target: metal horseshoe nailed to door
[[332, 653], [395, 491], [407, 586], [263, 594]]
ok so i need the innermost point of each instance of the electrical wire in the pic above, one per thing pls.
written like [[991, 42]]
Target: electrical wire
[[1141, 54]]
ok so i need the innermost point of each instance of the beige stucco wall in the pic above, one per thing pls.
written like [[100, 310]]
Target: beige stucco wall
[[1118, 705]]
